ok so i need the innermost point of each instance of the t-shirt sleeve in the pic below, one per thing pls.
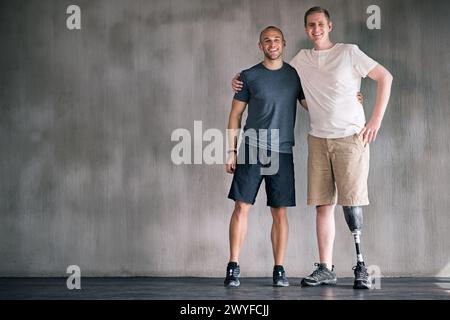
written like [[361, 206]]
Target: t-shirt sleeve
[[362, 63], [295, 61], [244, 94]]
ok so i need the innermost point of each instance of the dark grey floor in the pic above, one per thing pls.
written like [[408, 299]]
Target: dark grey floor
[[212, 288]]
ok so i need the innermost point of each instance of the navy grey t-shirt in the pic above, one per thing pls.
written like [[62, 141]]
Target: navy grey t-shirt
[[272, 104]]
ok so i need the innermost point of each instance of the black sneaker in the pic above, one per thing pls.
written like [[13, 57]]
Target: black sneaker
[[322, 275], [233, 273], [279, 277], [362, 278]]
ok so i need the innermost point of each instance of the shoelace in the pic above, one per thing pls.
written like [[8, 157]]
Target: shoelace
[[318, 272], [361, 273]]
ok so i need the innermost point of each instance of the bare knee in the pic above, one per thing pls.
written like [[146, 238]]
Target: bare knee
[[241, 209], [279, 214], [324, 210]]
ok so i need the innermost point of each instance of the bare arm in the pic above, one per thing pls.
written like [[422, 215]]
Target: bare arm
[[384, 81], [234, 125]]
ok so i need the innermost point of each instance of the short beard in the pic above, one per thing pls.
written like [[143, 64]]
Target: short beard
[[267, 55]]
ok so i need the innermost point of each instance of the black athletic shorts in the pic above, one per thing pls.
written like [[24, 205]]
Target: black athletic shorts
[[277, 170]]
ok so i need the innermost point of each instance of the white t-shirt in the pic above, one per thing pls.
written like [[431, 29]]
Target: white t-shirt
[[330, 80]]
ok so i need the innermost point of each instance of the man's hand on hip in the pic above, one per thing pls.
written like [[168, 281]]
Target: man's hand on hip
[[369, 132]]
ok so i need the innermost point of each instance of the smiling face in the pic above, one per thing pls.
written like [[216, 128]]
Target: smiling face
[[271, 43], [318, 28]]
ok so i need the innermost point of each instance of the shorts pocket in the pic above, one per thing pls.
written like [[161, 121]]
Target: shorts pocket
[[359, 141]]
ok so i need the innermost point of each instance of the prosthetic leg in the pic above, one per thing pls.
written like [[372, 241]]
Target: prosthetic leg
[[354, 218]]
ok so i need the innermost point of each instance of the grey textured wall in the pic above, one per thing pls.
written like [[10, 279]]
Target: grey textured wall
[[86, 119]]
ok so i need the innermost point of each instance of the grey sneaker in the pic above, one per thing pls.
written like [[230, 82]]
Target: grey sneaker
[[232, 277], [279, 277], [322, 275], [362, 278]]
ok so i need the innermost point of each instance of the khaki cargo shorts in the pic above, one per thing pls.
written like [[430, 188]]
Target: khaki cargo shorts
[[338, 168]]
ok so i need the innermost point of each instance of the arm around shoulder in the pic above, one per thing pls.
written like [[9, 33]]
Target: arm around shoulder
[[304, 104]]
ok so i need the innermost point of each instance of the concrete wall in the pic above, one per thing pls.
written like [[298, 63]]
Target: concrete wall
[[86, 119]]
